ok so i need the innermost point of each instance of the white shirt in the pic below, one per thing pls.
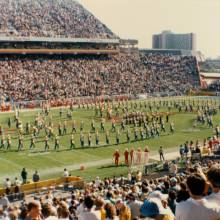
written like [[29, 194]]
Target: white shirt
[[197, 210], [92, 215], [135, 208], [7, 184], [214, 197], [66, 174]]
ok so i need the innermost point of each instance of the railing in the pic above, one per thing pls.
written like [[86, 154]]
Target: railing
[[75, 182]]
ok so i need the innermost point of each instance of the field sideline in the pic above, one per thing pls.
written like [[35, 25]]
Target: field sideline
[[51, 164]]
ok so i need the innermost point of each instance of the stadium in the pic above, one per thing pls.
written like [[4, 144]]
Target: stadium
[[92, 127]]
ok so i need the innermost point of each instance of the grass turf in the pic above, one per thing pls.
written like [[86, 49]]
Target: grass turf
[[51, 164]]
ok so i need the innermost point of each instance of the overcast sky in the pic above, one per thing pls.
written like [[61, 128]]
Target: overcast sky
[[139, 19]]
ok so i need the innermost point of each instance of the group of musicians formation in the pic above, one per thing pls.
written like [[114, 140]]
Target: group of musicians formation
[[145, 125]]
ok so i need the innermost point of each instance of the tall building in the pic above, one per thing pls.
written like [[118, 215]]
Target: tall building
[[169, 40]]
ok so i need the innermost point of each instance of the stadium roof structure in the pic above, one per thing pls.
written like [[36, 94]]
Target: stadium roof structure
[[59, 40], [210, 75]]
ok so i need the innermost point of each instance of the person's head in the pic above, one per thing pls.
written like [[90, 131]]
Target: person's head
[[151, 208], [99, 203], [196, 185], [110, 211], [47, 210], [172, 195], [88, 202], [62, 210], [34, 209], [213, 176], [173, 181]]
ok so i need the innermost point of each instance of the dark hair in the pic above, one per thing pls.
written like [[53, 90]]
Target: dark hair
[[213, 175], [46, 210], [196, 184], [172, 194], [110, 211], [32, 205], [88, 202]]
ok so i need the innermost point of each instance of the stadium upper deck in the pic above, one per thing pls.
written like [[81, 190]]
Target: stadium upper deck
[[50, 18]]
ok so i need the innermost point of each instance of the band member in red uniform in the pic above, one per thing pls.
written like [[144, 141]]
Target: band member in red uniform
[[126, 154], [139, 152], [116, 156], [132, 155], [146, 155]]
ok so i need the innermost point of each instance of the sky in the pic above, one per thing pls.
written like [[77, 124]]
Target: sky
[[140, 19]]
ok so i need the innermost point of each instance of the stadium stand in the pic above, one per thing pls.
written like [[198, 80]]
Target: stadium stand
[[57, 49], [38, 78], [133, 197], [50, 18]]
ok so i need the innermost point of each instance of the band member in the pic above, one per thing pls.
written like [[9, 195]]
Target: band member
[[72, 142], [113, 125], [117, 137], [135, 134], [132, 155], [57, 143], [2, 146], [46, 143], [93, 126], [116, 155], [146, 155], [59, 129], [64, 128], [9, 122], [161, 154], [138, 156], [103, 124], [61, 112], [28, 128], [20, 143], [81, 139], [217, 131], [107, 137], [81, 126], [32, 144], [89, 139], [171, 127], [126, 155], [128, 136], [8, 143], [97, 138], [74, 126]]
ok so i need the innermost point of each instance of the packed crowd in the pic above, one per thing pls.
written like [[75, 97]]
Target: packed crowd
[[45, 78], [50, 18], [215, 86], [173, 196], [179, 74]]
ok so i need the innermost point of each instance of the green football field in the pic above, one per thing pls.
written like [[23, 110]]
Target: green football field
[[97, 159]]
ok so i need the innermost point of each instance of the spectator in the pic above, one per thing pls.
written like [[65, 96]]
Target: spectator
[[200, 206], [7, 185], [65, 173], [34, 211], [17, 184], [36, 177], [110, 212], [153, 209], [24, 176], [134, 205], [124, 212], [213, 176], [89, 213]]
